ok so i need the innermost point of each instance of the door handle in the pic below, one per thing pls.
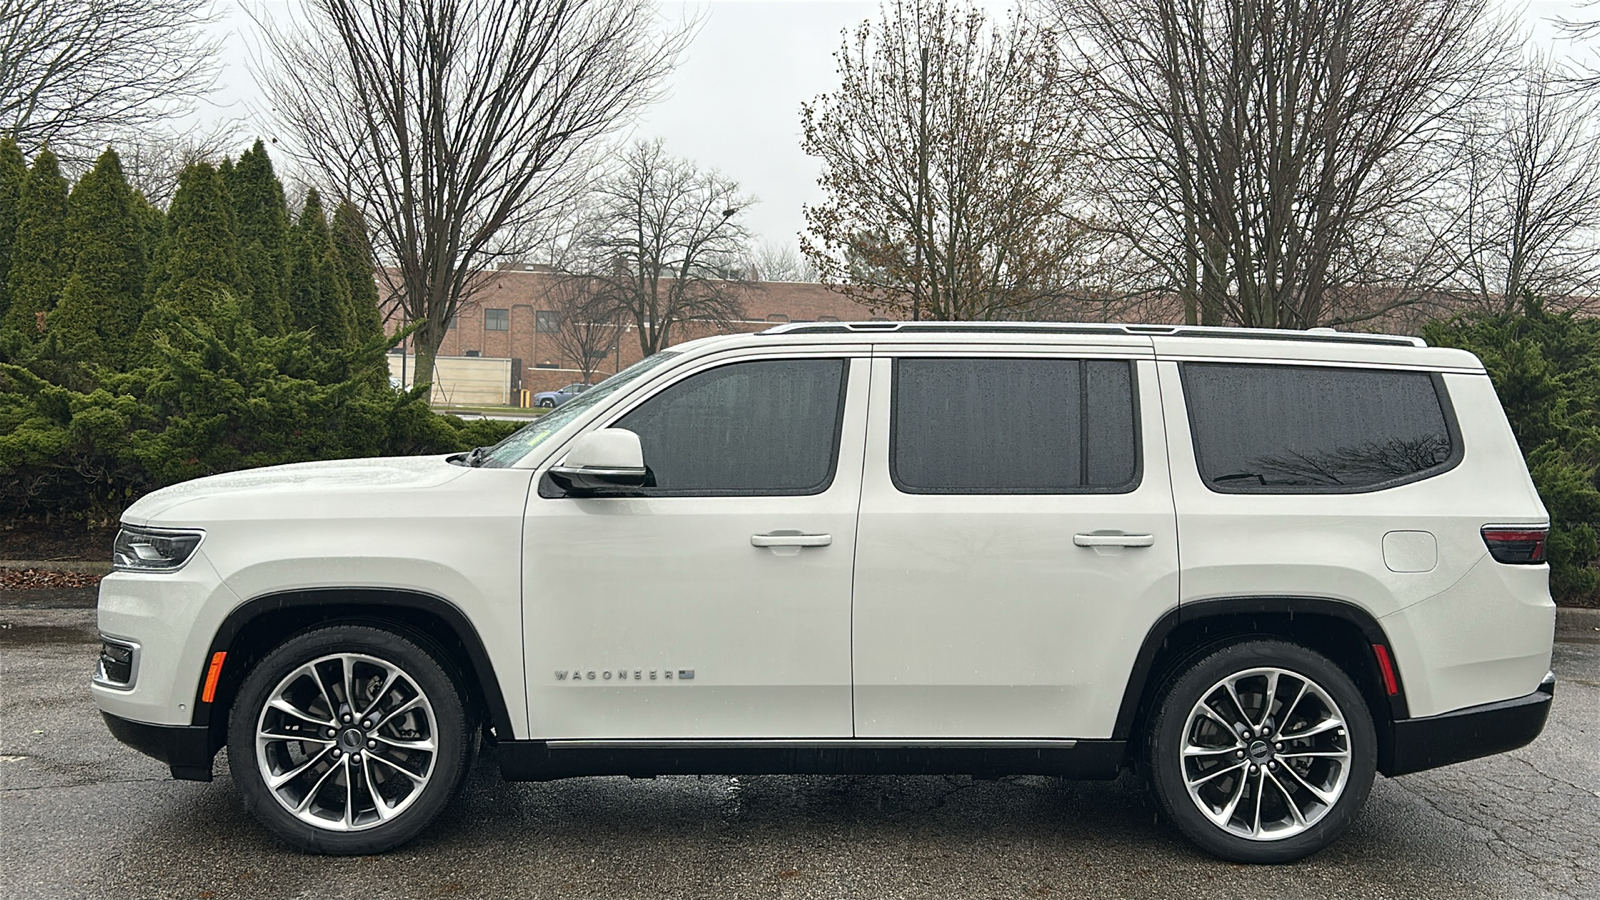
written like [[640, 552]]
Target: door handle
[[1113, 539], [790, 539]]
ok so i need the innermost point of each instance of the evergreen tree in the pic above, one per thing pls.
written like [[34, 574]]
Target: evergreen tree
[[354, 249], [155, 232], [318, 295], [40, 257], [102, 303], [13, 171], [202, 259], [262, 219]]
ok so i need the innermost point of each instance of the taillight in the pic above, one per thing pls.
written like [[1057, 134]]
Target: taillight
[[1516, 543]]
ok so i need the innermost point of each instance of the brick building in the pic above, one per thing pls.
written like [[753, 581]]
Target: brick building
[[514, 317]]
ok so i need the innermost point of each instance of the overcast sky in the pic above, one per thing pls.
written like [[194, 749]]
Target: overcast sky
[[734, 102]]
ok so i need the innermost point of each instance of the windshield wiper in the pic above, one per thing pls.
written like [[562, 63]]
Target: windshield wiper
[[476, 457]]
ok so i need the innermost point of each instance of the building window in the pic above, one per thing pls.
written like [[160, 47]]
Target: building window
[[496, 320], [450, 325], [546, 321]]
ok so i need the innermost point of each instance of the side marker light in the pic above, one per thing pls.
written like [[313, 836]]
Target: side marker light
[[212, 674]]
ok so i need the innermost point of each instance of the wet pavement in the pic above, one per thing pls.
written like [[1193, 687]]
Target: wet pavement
[[83, 816]]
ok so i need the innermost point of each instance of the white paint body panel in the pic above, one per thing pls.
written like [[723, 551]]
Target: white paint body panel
[[1332, 546], [652, 588], [417, 524], [975, 614]]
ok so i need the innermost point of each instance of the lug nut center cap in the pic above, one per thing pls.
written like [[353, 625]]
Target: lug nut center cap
[[351, 739], [1260, 751]]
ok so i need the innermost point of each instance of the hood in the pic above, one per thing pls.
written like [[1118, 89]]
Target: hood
[[312, 482]]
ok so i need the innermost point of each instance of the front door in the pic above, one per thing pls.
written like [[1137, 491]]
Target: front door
[[1017, 540], [715, 604]]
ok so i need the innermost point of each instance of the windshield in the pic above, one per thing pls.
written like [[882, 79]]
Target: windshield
[[509, 451]]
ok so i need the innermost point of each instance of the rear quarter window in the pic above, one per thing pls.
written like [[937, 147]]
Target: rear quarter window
[[1314, 430]]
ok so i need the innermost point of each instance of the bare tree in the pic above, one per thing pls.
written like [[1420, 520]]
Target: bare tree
[[459, 126], [153, 160], [1265, 159], [1529, 196], [665, 239], [769, 261], [588, 321], [948, 165], [76, 74]]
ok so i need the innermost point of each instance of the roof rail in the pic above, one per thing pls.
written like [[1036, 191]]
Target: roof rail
[[1319, 335]]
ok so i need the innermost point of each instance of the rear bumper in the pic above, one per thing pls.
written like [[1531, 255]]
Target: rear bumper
[[186, 749], [1470, 733]]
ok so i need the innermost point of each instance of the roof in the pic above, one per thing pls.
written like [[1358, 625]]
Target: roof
[[1169, 342], [1323, 335]]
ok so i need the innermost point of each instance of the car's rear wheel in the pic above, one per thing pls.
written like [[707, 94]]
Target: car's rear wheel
[[348, 740], [547, 403], [1262, 752]]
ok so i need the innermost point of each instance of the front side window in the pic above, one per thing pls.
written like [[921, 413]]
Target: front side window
[[763, 427], [1013, 426], [1304, 429], [496, 320], [519, 444]]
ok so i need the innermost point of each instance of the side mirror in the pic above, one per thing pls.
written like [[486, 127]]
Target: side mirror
[[610, 457]]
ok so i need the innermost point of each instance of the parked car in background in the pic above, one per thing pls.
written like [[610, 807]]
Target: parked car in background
[[553, 399]]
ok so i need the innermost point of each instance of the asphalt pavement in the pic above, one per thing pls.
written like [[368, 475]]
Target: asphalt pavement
[[83, 816]]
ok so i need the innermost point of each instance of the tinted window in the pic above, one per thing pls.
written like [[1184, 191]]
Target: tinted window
[[1301, 429], [769, 427], [1036, 426]]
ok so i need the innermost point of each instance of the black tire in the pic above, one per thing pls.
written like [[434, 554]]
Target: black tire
[[547, 403], [1292, 820], [382, 806]]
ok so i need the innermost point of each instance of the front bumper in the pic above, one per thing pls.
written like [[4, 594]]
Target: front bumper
[[1470, 733], [186, 749]]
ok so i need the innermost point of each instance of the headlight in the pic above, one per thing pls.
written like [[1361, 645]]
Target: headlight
[[153, 550]]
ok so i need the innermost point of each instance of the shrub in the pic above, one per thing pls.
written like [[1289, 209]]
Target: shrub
[[215, 395], [1546, 369]]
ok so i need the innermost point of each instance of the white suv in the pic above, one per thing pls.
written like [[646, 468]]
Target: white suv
[[1257, 566]]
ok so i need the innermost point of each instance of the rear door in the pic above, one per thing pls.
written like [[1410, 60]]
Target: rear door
[[1017, 540]]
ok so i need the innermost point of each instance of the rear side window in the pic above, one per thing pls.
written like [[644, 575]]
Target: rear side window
[[1013, 426], [767, 427], [1304, 429]]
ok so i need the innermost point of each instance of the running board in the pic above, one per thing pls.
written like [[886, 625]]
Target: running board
[[551, 760]]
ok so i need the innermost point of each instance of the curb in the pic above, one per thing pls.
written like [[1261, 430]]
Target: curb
[[58, 565], [1578, 621], [49, 598]]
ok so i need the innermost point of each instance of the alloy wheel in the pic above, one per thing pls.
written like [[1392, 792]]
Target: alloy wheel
[[1266, 753], [346, 742]]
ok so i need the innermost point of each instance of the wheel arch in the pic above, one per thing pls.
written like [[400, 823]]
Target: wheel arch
[[255, 627], [1341, 631]]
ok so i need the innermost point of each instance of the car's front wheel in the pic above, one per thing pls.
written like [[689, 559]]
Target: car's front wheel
[[1262, 752], [348, 740]]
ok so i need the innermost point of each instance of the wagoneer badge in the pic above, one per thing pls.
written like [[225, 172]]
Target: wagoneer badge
[[580, 675]]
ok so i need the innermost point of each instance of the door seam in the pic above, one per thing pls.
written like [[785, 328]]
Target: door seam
[[855, 531]]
